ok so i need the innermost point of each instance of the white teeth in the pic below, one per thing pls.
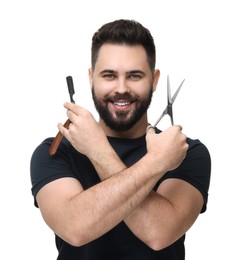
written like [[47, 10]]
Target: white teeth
[[121, 104]]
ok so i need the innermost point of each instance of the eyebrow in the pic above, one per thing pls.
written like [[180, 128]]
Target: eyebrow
[[135, 72], [108, 71], [115, 72]]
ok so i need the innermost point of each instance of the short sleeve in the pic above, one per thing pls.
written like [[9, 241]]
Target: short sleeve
[[45, 168], [195, 169]]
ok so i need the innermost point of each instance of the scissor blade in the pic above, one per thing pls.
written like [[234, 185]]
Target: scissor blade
[[161, 116], [177, 91], [170, 102], [168, 91]]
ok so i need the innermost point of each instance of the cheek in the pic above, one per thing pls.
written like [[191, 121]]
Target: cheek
[[102, 89], [142, 90]]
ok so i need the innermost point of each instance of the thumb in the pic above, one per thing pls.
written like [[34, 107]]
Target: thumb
[[150, 129]]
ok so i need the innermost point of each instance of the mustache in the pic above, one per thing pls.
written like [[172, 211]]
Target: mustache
[[122, 96]]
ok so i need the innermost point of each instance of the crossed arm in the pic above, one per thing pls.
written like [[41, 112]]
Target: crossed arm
[[157, 218]]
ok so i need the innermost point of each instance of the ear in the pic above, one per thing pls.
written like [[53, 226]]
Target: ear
[[90, 77], [156, 76]]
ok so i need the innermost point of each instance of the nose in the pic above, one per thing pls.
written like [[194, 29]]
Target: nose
[[122, 86]]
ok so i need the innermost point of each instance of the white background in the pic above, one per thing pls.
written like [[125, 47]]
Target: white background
[[42, 42]]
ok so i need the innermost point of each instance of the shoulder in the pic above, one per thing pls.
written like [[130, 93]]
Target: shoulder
[[198, 152], [45, 168], [45, 145], [195, 168]]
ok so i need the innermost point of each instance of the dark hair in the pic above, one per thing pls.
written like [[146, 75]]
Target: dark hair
[[127, 32]]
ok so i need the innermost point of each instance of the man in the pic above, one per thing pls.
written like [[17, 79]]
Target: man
[[113, 191]]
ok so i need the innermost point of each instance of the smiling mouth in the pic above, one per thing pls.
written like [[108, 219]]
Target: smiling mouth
[[122, 103]]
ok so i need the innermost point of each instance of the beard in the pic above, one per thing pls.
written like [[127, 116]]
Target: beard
[[123, 120]]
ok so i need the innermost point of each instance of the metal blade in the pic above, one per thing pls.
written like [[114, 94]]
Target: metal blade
[[168, 109], [177, 91], [168, 91], [71, 91]]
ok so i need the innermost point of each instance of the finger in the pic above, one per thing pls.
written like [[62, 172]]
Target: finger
[[63, 130], [71, 106], [70, 115], [179, 126], [150, 129], [68, 112]]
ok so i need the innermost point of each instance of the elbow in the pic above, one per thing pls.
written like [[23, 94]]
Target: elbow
[[74, 238], [158, 243], [74, 241]]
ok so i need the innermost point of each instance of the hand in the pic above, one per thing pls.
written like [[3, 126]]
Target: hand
[[83, 133], [167, 149]]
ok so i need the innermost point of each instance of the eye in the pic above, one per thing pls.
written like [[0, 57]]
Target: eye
[[109, 76], [134, 76]]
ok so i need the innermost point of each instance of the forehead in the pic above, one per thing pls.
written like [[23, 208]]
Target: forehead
[[122, 57]]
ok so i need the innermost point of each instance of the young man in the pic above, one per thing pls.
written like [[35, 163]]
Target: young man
[[113, 191]]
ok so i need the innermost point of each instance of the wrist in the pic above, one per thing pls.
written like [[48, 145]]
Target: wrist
[[155, 165], [106, 161]]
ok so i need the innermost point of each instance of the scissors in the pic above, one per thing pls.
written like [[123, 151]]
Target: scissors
[[168, 110]]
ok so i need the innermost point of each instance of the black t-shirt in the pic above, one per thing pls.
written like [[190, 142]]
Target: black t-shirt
[[120, 242]]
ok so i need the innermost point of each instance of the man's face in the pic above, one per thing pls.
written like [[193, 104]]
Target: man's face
[[122, 85]]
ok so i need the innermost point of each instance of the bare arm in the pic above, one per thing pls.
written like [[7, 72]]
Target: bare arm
[[164, 216], [80, 216]]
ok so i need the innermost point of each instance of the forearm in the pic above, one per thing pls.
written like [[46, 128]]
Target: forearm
[[145, 218], [151, 221], [112, 201], [151, 218], [106, 162]]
